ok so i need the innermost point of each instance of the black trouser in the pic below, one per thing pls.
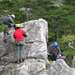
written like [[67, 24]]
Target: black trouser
[[53, 57]]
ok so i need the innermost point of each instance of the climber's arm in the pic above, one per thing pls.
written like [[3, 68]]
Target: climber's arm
[[25, 35], [59, 50], [48, 50]]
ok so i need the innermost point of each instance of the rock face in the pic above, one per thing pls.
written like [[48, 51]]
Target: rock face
[[34, 53], [59, 67], [58, 2], [34, 50], [14, 69], [61, 0], [73, 62]]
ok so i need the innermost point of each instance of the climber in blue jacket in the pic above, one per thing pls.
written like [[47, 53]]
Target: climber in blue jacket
[[53, 51]]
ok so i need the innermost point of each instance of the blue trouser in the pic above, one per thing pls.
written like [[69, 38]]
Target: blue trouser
[[53, 57]]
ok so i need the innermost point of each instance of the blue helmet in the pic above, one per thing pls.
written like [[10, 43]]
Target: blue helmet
[[55, 44]]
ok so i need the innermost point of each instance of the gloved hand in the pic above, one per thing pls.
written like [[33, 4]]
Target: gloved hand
[[27, 35], [59, 54], [15, 26], [48, 53]]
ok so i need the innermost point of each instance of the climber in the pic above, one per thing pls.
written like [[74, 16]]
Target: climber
[[18, 35], [52, 50], [9, 21]]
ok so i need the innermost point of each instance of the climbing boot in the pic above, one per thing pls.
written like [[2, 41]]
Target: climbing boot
[[5, 40], [21, 60], [18, 62]]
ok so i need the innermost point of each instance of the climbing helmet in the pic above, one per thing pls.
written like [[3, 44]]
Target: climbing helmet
[[55, 44], [18, 25], [13, 16]]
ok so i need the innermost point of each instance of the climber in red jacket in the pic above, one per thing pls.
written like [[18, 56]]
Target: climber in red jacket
[[18, 35]]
